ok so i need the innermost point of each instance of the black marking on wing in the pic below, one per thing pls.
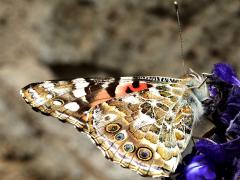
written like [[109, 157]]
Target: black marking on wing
[[156, 79], [128, 90], [135, 84], [84, 105], [38, 110], [149, 85], [92, 89], [112, 87]]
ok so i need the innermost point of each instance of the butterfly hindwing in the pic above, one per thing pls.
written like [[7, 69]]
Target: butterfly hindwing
[[144, 131]]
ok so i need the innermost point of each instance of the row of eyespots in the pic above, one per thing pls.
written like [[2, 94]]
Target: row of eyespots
[[143, 153]]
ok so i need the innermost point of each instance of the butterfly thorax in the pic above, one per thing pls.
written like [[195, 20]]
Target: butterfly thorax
[[197, 84]]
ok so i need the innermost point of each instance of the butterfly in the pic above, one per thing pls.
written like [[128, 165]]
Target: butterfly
[[143, 123]]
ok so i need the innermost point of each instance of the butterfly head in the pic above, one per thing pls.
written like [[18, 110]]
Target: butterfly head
[[197, 83]]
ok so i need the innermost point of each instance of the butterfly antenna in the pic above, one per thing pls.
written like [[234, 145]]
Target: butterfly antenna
[[180, 32]]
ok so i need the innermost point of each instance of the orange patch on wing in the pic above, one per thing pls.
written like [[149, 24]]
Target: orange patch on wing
[[141, 87], [102, 96], [121, 89]]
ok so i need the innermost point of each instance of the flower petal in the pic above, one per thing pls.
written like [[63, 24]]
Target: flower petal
[[233, 106], [200, 168], [237, 169], [219, 153], [226, 73], [213, 90], [234, 126]]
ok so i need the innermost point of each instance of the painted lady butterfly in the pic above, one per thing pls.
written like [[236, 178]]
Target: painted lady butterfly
[[142, 123]]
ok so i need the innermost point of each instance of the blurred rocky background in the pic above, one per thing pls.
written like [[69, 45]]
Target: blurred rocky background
[[64, 39]]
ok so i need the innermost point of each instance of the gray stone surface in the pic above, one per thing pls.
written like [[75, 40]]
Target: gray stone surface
[[58, 39]]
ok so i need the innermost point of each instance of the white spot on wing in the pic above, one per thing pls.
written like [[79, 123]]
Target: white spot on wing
[[80, 83], [143, 120], [131, 99], [48, 85], [154, 91], [72, 106], [57, 103], [33, 93], [79, 92], [40, 101], [105, 85], [36, 98], [49, 96]]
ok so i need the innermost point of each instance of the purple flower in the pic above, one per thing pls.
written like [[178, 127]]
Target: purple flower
[[200, 168], [226, 73], [225, 157], [225, 92], [218, 158], [213, 90], [233, 106], [219, 153], [234, 126]]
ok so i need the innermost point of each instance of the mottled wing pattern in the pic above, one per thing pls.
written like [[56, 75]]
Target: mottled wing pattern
[[145, 131], [71, 100], [143, 123]]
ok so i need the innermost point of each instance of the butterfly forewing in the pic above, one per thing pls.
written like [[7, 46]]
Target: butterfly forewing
[[71, 100], [143, 123]]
